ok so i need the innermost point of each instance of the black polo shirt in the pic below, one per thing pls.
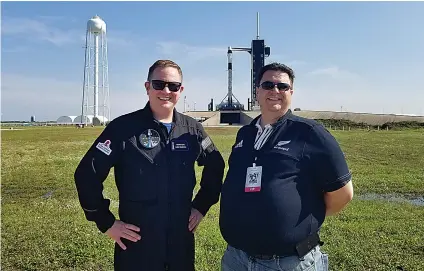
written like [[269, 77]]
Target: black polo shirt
[[300, 161]]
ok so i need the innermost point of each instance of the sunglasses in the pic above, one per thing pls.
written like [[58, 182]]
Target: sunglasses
[[268, 85], [160, 85]]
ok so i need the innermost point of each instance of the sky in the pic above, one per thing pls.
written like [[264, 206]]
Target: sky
[[347, 56]]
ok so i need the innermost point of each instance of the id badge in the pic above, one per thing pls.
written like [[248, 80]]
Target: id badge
[[253, 179]]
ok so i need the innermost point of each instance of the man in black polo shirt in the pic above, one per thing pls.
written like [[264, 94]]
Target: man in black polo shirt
[[286, 174]]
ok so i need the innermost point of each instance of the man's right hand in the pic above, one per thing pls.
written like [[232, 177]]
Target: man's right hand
[[120, 229]]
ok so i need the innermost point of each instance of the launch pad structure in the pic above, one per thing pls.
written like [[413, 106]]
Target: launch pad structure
[[230, 109]]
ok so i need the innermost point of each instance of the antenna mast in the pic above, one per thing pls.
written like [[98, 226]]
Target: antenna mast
[[257, 25]]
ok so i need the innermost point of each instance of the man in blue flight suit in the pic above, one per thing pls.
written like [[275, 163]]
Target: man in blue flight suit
[[153, 151], [286, 174]]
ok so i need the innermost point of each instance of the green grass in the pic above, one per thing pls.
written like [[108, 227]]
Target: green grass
[[43, 226]]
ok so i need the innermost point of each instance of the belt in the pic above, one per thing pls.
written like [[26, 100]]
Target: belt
[[301, 249], [265, 257], [272, 256]]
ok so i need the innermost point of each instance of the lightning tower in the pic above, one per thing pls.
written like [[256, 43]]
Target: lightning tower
[[95, 107]]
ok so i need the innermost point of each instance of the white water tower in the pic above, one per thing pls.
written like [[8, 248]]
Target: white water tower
[[95, 108]]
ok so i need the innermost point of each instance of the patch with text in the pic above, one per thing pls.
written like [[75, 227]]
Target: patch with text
[[179, 145], [104, 147]]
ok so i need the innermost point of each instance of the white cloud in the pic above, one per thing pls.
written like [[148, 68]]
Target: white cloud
[[296, 63], [17, 49], [189, 52], [30, 29], [287, 60], [334, 88], [48, 98], [121, 39], [46, 29], [334, 72], [200, 90], [275, 58], [326, 88], [53, 18], [329, 88]]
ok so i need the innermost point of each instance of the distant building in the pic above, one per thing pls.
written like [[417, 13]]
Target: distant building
[[66, 120], [90, 120]]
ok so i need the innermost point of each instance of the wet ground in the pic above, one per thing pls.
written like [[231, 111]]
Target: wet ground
[[412, 199]]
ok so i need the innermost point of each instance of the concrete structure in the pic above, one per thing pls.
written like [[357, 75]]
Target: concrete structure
[[215, 117]]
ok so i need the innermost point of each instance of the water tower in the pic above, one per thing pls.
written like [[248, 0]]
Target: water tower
[[95, 108]]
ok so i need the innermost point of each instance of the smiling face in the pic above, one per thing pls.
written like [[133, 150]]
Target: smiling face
[[274, 101], [162, 81]]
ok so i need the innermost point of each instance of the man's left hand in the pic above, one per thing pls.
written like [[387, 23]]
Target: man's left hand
[[194, 220]]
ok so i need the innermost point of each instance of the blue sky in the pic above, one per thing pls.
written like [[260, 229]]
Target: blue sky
[[358, 57]]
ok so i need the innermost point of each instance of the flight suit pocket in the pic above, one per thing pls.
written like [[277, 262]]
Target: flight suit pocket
[[139, 176], [142, 186], [186, 177], [184, 152]]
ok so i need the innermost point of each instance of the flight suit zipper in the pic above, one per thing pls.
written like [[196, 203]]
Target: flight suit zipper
[[140, 151], [167, 137]]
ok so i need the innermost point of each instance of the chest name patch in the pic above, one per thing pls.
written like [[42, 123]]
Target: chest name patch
[[179, 145]]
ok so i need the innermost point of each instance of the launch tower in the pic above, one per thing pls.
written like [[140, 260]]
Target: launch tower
[[258, 51]]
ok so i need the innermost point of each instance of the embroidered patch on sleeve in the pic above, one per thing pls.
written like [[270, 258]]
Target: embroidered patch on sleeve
[[207, 144], [104, 147]]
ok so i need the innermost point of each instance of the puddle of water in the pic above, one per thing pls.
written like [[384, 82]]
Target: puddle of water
[[414, 200], [48, 195]]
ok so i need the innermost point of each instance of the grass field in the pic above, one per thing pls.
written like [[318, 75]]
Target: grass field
[[43, 226]]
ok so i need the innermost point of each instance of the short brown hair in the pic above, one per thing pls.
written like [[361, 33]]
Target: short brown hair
[[163, 63], [275, 66]]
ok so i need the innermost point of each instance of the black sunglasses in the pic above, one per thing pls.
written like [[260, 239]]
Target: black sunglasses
[[268, 85], [160, 85]]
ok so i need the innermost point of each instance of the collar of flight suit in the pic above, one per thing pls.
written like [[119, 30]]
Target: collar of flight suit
[[176, 118]]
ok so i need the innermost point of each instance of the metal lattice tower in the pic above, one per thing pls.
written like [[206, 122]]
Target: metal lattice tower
[[258, 51], [95, 107]]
